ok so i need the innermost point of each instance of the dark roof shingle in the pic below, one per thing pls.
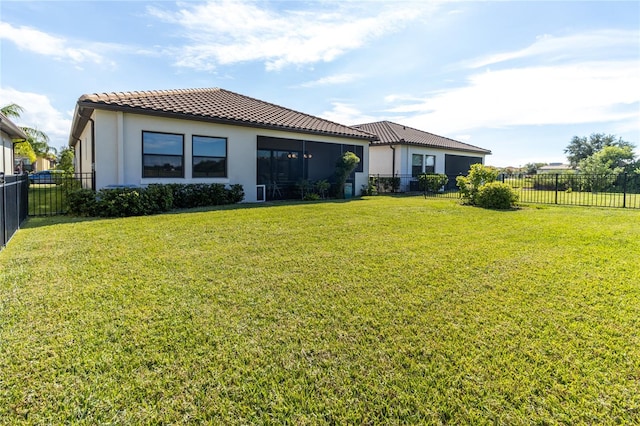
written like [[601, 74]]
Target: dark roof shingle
[[218, 105], [393, 133]]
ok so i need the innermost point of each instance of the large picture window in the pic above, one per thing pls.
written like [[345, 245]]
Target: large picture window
[[162, 155], [209, 156]]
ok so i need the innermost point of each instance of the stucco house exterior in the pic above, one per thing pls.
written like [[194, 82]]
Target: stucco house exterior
[[209, 136], [404, 152], [10, 133]]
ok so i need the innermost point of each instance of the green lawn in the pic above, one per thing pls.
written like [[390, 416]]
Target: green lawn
[[385, 310]]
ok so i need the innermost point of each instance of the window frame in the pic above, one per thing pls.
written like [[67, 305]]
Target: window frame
[[144, 154], [193, 157], [425, 162], [413, 166]]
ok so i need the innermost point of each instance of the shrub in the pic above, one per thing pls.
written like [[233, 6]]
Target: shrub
[[235, 194], [156, 198], [81, 202], [311, 196], [432, 182], [120, 202], [496, 195], [389, 184], [470, 185], [322, 186]]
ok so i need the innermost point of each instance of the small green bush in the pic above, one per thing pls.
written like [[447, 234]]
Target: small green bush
[[496, 195], [311, 196], [432, 182]]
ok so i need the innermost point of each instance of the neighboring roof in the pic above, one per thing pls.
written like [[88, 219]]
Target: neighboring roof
[[392, 133], [556, 166], [10, 128], [212, 105]]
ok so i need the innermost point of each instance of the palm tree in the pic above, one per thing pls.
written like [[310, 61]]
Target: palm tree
[[37, 143], [12, 110]]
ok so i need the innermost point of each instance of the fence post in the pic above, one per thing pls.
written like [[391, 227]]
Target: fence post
[[624, 191], [557, 188]]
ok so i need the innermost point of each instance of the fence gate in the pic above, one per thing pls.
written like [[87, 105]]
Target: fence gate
[[48, 191]]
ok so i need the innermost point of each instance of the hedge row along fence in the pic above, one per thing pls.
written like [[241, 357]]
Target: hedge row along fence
[[153, 199]]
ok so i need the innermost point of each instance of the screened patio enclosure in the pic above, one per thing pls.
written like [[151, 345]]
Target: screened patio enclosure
[[284, 163]]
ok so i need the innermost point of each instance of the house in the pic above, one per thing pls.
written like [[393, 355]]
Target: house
[[555, 168], [11, 133], [405, 152], [209, 136]]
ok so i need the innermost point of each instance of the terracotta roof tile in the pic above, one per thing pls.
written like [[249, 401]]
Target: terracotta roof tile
[[218, 105], [393, 133]]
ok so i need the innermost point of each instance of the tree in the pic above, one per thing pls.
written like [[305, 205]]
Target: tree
[[65, 161], [37, 139], [344, 166], [12, 110], [532, 168], [603, 167], [582, 147]]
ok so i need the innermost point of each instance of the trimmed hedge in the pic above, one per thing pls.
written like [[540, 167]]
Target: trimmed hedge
[[154, 199]]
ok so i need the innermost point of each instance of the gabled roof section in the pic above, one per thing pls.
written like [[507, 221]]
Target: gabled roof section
[[213, 105], [390, 133], [10, 128]]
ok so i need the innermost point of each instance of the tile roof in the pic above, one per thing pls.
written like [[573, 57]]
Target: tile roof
[[392, 133], [217, 105]]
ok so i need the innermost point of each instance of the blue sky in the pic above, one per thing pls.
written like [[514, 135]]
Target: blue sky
[[518, 78]]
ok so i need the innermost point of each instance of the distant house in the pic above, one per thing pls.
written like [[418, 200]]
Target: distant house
[[10, 134], [555, 168], [406, 152], [209, 136]]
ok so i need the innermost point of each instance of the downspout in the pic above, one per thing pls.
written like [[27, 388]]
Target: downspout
[[393, 166], [393, 161]]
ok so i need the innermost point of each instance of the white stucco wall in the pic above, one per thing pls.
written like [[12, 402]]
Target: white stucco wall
[[382, 155], [119, 149]]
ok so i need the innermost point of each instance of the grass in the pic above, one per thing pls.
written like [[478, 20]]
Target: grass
[[46, 199], [381, 310]]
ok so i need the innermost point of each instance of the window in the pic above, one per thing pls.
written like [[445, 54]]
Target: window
[[422, 164], [430, 164], [209, 156], [416, 165], [162, 155]]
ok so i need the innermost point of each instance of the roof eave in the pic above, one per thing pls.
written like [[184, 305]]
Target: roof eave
[[404, 142], [12, 129]]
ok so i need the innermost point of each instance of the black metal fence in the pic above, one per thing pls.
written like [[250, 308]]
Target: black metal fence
[[48, 195], [14, 195], [579, 189]]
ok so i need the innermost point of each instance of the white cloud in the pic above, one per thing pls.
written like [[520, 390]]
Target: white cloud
[[36, 41], [331, 80], [40, 114], [228, 32], [582, 45], [537, 95], [344, 113]]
